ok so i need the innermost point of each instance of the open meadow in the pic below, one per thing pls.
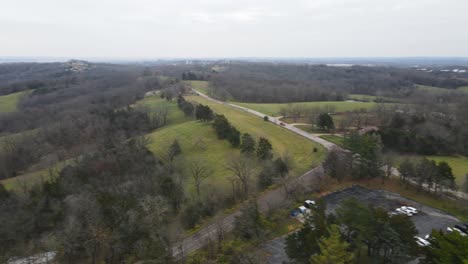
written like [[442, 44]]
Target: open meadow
[[9, 102], [284, 142]]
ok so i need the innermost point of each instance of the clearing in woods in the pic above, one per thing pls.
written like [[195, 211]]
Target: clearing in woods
[[9, 102]]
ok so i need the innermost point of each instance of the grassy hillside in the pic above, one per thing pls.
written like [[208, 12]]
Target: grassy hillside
[[27, 180], [283, 141], [201, 86], [9, 102], [155, 103], [198, 141], [274, 109], [463, 89], [371, 98]]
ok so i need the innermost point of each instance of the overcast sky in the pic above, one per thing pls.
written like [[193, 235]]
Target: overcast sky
[[238, 28]]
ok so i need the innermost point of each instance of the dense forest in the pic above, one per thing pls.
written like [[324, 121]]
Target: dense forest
[[112, 182], [114, 199], [281, 83]]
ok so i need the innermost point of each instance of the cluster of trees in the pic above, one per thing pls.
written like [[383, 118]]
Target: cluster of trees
[[243, 167], [325, 122], [203, 113], [69, 113], [185, 106], [69, 138], [428, 127], [366, 159], [446, 248], [427, 173], [191, 76], [224, 130], [341, 238], [110, 205], [249, 227]]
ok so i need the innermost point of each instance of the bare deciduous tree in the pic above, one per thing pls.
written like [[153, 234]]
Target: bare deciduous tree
[[200, 171], [242, 168]]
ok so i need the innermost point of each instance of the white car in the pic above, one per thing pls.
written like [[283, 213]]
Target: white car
[[401, 211], [459, 231], [422, 242], [309, 203], [410, 209], [449, 229], [303, 210]]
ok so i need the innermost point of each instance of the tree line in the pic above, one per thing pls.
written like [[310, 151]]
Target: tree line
[[427, 173], [369, 161], [266, 83]]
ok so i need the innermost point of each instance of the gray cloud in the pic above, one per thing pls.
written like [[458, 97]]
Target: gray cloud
[[210, 28]]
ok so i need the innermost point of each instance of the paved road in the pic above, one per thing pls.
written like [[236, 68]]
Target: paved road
[[265, 201], [328, 145], [226, 224]]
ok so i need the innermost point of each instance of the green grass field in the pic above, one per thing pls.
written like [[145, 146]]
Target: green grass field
[[9, 102], [155, 103], [27, 180], [201, 86], [463, 89], [283, 141], [198, 141], [274, 109], [371, 98]]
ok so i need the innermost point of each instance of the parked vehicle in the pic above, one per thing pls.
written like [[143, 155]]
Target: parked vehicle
[[421, 241], [462, 228], [410, 209], [459, 231], [309, 203], [405, 212], [302, 209], [294, 213]]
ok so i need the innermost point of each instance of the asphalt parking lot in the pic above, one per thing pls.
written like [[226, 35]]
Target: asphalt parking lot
[[427, 219]]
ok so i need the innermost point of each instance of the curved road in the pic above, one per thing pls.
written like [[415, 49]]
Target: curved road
[[226, 224], [328, 145]]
